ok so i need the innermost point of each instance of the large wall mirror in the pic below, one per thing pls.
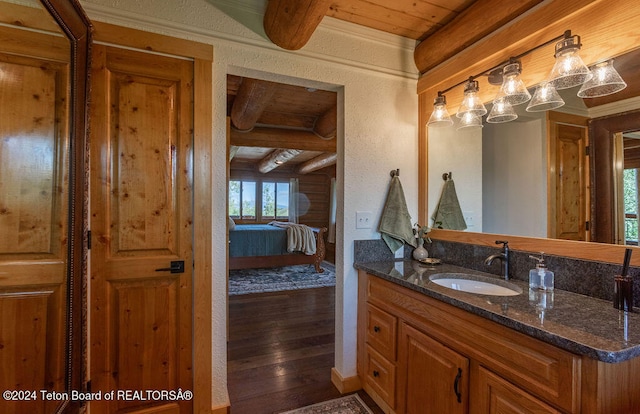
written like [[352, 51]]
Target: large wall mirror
[[608, 30], [549, 174], [44, 54]]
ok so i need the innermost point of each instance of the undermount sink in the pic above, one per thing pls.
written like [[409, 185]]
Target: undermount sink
[[466, 282]]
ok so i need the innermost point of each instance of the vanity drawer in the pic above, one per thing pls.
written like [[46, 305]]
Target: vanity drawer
[[381, 331], [380, 375]]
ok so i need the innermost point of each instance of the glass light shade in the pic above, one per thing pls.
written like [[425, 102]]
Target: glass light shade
[[545, 98], [513, 88], [605, 81], [469, 121], [471, 101], [502, 111], [569, 70], [440, 116]]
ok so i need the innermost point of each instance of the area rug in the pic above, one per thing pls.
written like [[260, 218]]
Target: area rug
[[351, 404], [244, 281]]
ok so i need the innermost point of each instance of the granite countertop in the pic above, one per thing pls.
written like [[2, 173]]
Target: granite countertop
[[577, 323]]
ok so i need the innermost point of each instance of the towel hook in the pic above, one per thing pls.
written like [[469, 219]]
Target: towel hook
[[447, 176], [395, 173]]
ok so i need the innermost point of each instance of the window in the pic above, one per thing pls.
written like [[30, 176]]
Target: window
[[631, 206], [245, 196], [242, 199]]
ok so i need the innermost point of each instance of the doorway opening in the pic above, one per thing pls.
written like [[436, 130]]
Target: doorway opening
[[281, 168]]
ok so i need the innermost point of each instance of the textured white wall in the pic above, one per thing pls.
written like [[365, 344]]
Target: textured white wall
[[515, 178], [375, 78], [458, 152]]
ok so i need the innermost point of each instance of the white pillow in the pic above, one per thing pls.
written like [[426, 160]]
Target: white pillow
[[232, 224]]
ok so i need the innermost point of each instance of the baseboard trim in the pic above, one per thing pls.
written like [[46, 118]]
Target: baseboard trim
[[345, 385], [223, 409]]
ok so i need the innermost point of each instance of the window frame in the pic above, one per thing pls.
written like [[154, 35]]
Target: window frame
[[259, 183]]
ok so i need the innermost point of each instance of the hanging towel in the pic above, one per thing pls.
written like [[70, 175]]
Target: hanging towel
[[448, 214], [395, 223]]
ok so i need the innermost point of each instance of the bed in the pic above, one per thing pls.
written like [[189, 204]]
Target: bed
[[265, 245]]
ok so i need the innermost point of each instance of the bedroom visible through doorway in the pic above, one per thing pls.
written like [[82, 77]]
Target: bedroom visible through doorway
[[282, 167]]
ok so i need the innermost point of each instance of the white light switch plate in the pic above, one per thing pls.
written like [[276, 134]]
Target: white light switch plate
[[364, 219]]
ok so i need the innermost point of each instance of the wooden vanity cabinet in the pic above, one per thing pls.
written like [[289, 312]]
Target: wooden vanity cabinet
[[431, 357]]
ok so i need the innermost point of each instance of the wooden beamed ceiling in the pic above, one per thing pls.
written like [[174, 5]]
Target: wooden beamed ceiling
[[442, 27], [274, 124]]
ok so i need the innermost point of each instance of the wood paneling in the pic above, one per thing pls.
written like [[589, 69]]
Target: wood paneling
[[34, 190], [603, 212], [141, 219]]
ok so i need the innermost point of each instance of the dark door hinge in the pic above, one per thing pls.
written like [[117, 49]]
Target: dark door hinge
[[88, 386], [587, 150], [586, 226], [89, 240]]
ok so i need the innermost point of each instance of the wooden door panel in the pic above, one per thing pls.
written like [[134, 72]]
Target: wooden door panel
[[434, 374], [33, 223], [570, 153], [148, 338], [568, 181], [32, 157], [498, 396], [141, 221], [144, 201]]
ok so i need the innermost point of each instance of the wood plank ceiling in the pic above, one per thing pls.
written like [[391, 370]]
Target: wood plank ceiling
[[274, 123]]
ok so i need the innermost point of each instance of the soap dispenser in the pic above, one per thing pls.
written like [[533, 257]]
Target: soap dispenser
[[541, 277]]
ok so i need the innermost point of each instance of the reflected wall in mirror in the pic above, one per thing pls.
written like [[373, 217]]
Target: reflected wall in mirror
[[532, 177], [42, 123]]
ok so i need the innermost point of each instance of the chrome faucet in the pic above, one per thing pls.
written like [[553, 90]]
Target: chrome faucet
[[504, 257]]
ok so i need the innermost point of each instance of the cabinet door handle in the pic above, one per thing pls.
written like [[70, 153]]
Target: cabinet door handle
[[376, 329], [456, 383], [376, 374]]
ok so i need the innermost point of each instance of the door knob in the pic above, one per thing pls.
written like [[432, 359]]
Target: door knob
[[177, 266]]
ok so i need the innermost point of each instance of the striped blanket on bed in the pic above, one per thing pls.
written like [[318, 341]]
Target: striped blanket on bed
[[300, 238]]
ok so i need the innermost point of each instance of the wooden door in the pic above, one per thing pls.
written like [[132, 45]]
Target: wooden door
[[498, 396], [34, 188], [568, 180], [141, 223], [436, 377]]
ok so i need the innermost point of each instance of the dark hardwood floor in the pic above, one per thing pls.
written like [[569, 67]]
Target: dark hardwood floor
[[281, 351]]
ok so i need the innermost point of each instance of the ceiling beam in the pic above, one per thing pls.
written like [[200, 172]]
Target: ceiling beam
[[276, 158], [326, 123], [233, 150], [290, 23], [253, 97], [317, 163], [477, 21], [282, 138]]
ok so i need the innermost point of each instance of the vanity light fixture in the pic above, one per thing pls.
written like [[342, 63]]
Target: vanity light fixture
[[469, 121], [440, 115], [502, 111], [513, 88], [569, 70], [545, 98], [471, 102], [605, 81]]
